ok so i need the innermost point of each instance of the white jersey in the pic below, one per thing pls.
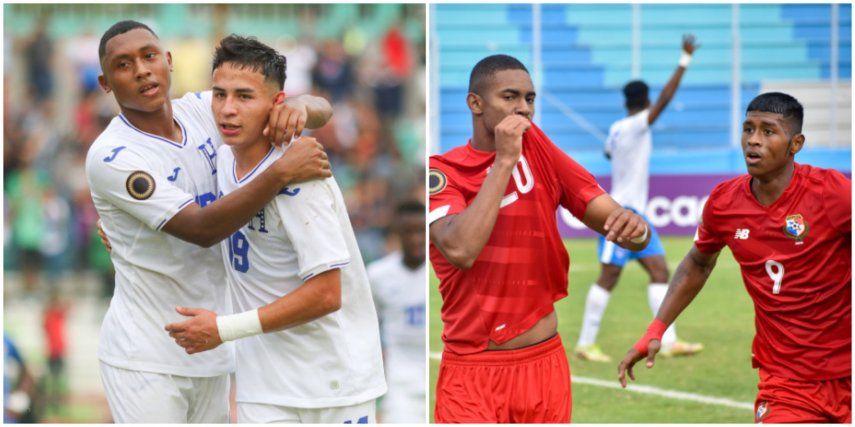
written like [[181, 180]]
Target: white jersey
[[332, 361], [629, 144], [399, 294], [139, 182]]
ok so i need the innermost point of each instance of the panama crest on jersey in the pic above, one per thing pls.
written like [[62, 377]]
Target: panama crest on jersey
[[795, 227]]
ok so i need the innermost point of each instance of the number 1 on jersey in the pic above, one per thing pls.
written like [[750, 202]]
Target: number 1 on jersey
[[775, 270]]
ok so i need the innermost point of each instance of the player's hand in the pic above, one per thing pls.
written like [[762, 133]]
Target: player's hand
[[689, 45], [287, 120], [197, 334], [509, 137], [104, 240], [633, 356], [623, 225], [305, 160]]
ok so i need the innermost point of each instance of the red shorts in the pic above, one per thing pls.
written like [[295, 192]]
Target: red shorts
[[781, 400], [527, 385]]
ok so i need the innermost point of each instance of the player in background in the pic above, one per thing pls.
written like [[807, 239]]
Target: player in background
[[150, 173], [628, 147], [398, 285], [306, 332], [789, 227], [501, 263]]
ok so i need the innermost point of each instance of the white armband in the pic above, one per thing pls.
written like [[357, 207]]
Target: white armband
[[640, 239], [685, 59], [235, 326]]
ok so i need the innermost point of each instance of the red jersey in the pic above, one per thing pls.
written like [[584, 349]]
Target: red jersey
[[795, 256], [522, 269]]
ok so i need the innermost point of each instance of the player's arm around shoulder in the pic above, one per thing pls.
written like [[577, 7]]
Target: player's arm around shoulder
[[304, 160], [618, 224], [287, 119]]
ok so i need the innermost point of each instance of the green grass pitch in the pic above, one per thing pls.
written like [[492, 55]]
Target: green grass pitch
[[721, 317]]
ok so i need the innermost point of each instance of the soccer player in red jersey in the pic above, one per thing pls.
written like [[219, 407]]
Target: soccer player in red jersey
[[789, 228], [501, 262]]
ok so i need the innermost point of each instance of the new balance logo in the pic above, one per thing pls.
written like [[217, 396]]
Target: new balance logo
[[741, 234]]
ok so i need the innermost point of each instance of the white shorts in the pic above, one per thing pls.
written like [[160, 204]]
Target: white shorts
[[400, 407], [149, 397], [262, 413]]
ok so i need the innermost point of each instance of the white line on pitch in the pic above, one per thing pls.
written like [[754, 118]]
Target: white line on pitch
[[656, 391]]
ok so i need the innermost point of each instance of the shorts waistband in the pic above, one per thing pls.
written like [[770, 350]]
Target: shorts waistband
[[507, 357]]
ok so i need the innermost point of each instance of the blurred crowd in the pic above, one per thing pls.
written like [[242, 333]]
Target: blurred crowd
[[375, 139], [54, 109]]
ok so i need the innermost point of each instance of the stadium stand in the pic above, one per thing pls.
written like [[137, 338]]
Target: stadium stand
[[587, 57]]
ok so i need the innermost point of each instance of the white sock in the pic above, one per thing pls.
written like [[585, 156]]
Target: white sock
[[655, 296], [595, 306]]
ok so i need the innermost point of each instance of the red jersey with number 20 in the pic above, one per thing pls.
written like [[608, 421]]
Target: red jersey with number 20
[[522, 269], [796, 262]]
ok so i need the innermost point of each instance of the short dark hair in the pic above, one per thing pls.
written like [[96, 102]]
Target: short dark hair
[[120, 27], [780, 103], [410, 207], [636, 94], [249, 53], [489, 66]]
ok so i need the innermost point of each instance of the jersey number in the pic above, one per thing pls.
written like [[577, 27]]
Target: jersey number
[[239, 252], [775, 270], [522, 187]]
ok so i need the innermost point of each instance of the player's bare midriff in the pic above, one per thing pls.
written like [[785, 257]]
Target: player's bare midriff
[[544, 329]]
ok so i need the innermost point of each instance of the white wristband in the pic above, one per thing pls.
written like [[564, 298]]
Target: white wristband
[[641, 238], [235, 326], [685, 59]]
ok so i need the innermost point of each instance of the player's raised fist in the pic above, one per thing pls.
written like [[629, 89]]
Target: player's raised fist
[[305, 160], [509, 137], [689, 44], [287, 120]]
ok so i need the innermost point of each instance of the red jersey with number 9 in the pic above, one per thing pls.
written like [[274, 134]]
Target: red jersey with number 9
[[796, 262], [522, 269]]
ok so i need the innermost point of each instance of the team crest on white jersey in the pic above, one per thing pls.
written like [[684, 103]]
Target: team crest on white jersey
[[140, 185], [796, 228]]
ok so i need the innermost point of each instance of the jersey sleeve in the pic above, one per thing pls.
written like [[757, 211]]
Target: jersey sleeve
[[445, 196], [707, 240], [127, 180], [198, 106], [837, 201], [609, 144], [310, 219], [578, 186], [642, 121]]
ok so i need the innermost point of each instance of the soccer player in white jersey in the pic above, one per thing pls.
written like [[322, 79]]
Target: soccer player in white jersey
[[398, 284], [628, 147], [307, 337], [150, 173]]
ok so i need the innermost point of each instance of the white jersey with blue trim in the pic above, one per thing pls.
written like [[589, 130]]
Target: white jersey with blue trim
[[399, 294], [629, 144], [138, 182], [331, 361]]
